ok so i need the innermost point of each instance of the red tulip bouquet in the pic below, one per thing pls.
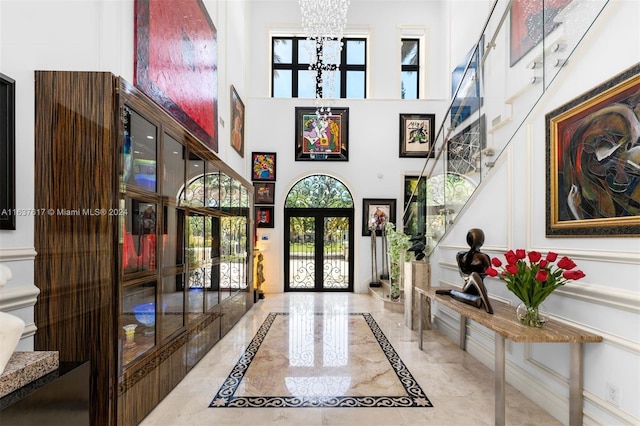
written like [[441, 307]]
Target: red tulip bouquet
[[532, 278]]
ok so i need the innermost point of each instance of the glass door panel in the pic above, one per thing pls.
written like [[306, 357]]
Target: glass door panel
[[172, 313], [139, 151], [139, 249], [302, 253], [173, 170], [137, 321], [335, 259], [196, 266]]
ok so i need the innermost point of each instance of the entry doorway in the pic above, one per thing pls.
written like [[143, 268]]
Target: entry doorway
[[318, 236]]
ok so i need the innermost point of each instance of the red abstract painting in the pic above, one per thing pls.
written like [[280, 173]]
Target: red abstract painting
[[530, 19], [176, 63]]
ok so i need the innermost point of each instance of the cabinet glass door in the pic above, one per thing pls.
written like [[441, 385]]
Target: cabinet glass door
[[139, 151], [137, 332], [139, 248]]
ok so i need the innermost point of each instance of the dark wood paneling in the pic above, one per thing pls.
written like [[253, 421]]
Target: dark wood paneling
[[74, 270]]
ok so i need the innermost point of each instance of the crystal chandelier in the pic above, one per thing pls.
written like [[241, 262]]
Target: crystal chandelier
[[323, 22]]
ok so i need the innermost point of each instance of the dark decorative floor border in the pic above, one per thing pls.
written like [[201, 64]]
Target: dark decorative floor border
[[415, 395]]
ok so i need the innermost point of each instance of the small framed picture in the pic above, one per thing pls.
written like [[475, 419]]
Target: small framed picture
[[264, 216], [376, 213], [263, 166], [237, 122], [264, 192], [416, 135]]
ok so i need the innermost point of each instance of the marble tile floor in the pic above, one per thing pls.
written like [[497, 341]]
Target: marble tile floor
[[314, 359]]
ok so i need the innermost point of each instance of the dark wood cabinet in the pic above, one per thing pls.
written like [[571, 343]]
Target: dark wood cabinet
[[143, 241]]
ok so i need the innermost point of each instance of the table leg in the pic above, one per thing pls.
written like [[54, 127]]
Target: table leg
[[499, 381], [575, 384], [463, 333], [420, 298]]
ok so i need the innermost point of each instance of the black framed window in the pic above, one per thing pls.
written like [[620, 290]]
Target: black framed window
[[410, 65], [292, 78]]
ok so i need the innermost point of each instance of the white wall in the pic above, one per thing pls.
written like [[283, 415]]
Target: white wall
[[511, 210], [374, 169]]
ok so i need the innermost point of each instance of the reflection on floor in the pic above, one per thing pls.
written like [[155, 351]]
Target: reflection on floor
[[321, 352]]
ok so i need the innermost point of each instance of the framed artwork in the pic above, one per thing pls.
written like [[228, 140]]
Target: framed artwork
[[465, 85], [264, 216], [593, 185], [7, 152], [416, 135], [263, 166], [264, 192], [237, 122], [528, 19], [176, 63], [322, 137], [377, 212], [464, 148]]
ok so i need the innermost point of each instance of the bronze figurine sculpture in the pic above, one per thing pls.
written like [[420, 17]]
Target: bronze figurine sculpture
[[472, 265]]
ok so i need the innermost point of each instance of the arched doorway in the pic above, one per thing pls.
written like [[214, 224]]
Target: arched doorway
[[318, 236]]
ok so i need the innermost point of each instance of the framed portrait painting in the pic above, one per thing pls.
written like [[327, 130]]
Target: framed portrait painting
[[263, 166], [264, 192], [176, 63], [237, 122], [593, 159], [528, 20], [416, 135], [264, 216], [322, 138], [376, 213], [7, 153]]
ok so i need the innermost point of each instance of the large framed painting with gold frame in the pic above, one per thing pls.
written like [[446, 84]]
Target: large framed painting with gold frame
[[593, 161], [176, 63]]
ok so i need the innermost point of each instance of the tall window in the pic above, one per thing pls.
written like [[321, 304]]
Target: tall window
[[292, 78], [410, 63]]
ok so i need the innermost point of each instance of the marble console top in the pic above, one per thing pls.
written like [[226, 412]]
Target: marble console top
[[504, 322], [25, 367]]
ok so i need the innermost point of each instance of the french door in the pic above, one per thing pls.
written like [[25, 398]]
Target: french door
[[318, 249]]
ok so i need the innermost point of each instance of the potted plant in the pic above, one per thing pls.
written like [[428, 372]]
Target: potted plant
[[397, 244]]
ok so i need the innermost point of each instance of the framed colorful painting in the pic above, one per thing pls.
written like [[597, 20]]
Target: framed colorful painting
[[263, 166], [320, 137], [465, 85], [264, 192], [264, 216], [416, 135], [593, 159], [7, 153], [376, 213], [528, 19], [237, 122], [463, 149], [176, 63]]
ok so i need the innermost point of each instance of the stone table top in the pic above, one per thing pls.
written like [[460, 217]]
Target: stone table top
[[25, 367], [504, 322]]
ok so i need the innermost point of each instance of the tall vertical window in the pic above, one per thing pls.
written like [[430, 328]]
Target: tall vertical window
[[292, 78], [410, 66]]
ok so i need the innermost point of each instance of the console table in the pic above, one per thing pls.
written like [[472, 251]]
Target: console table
[[506, 326]]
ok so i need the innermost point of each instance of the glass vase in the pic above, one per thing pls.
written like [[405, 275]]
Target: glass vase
[[533, 316]]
